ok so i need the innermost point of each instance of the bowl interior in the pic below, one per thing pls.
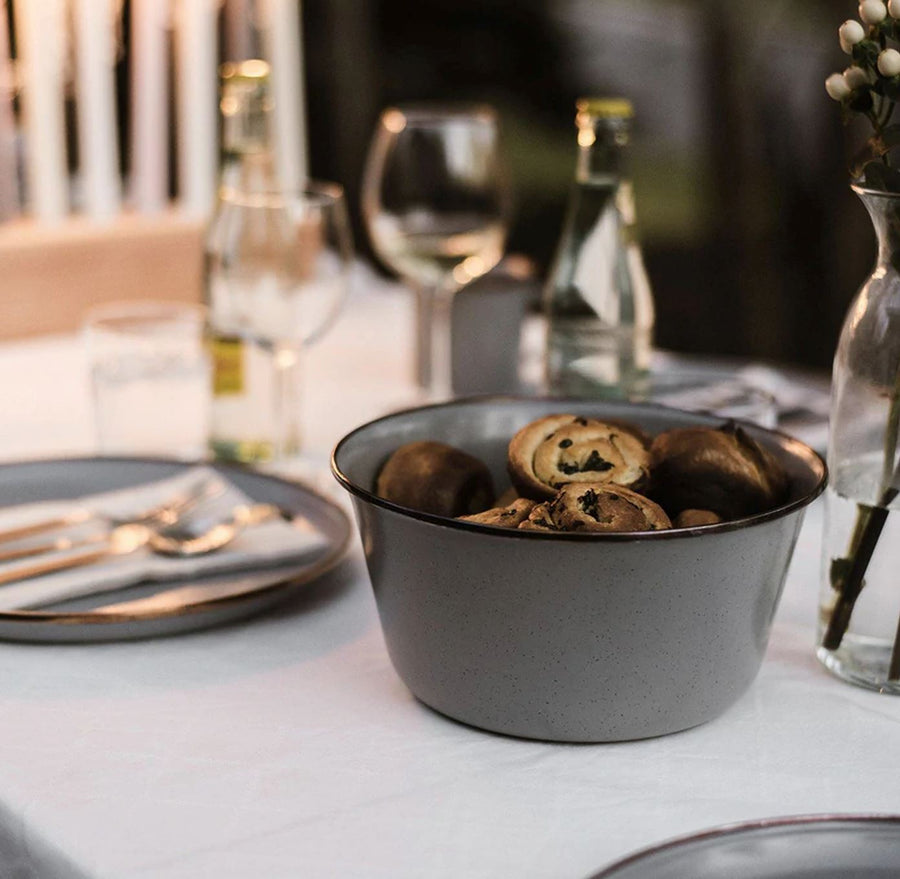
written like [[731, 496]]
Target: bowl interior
[[484, 426]]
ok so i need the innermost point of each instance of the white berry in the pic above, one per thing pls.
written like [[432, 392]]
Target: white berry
[[837, 87], [856, 77], [872, 11], [850, 33], [889, 62]]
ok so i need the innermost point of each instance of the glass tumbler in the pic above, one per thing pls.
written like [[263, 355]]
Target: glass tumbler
[[150, 378]]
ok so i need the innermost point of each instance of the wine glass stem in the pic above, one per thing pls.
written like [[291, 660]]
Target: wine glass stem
[[441, 307], [423, 328], [287, 401]]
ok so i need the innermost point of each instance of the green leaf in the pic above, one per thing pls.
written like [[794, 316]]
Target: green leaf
[[865, 53], [892, 88]]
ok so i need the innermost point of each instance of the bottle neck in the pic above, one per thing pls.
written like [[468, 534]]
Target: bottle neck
[[248, 172], [247, 157], [602, 143], [884, 211]]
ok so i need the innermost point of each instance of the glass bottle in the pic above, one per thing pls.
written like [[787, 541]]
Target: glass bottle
[[597, 298], [859, 607], [246, 424]]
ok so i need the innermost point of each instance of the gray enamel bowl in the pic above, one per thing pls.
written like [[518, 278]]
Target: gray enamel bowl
[[569, 637]]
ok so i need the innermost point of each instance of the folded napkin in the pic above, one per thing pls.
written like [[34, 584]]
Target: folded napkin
[[258, 546], [791, 394]]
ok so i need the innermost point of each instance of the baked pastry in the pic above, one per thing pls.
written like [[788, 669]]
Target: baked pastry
[[693, 518], [597, 507], [539, 519], [434, 477], [506, 517], [559, 450], [507, 498], [604, 507], [723, 470]]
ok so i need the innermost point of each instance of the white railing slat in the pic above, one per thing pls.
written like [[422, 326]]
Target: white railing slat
[[40, 38], [96, 107]]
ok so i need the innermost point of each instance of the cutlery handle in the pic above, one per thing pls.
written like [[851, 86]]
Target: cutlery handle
[[58, 545], [49, 567], [20, 531]]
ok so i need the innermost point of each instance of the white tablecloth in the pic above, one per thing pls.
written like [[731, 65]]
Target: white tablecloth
[[286, 746]]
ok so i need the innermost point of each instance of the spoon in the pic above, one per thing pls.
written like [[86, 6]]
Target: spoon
[[181, 539], [197, 536]]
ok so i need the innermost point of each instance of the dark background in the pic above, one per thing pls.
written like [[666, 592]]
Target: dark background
[[753, 240]]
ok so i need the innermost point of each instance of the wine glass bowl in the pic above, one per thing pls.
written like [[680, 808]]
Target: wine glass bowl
[[435, 201], [279, 262], [278, 267]]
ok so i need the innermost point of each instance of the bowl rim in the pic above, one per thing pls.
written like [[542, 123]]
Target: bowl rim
[[789, 443]]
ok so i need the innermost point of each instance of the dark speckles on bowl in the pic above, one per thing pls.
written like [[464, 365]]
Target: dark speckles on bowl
[[569, 637]]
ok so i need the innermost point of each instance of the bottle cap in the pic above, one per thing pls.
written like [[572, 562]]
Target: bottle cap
[[605, 108]]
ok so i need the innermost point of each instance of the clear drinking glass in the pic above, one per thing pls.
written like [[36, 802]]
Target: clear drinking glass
[[435, 201], [277, 272], [149, 372]]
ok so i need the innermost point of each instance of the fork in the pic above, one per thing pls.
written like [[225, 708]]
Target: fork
[[165, 513], [121, 540]]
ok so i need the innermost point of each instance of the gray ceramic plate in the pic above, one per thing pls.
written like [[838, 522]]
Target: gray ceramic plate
[[806, 847], [165, 609]]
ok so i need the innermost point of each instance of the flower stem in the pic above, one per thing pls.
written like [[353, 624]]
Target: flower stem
[[852, 584], [869, 524]]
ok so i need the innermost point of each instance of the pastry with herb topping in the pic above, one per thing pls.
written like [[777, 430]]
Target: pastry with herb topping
[[559, 450], [605, 507], [509, 516], [539, 519]]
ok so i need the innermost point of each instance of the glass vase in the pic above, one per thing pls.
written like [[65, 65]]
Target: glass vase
[[859, 608]]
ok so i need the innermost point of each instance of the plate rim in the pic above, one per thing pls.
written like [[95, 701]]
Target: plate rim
[[328, 562], [739, 828]]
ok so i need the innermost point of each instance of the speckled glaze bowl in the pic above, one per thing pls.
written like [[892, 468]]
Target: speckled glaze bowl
[[569, 637]]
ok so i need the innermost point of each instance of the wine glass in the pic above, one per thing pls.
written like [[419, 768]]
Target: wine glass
[[277, 264], [435, 203]]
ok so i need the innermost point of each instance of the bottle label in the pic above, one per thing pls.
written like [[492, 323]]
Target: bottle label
[[228, 366]]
